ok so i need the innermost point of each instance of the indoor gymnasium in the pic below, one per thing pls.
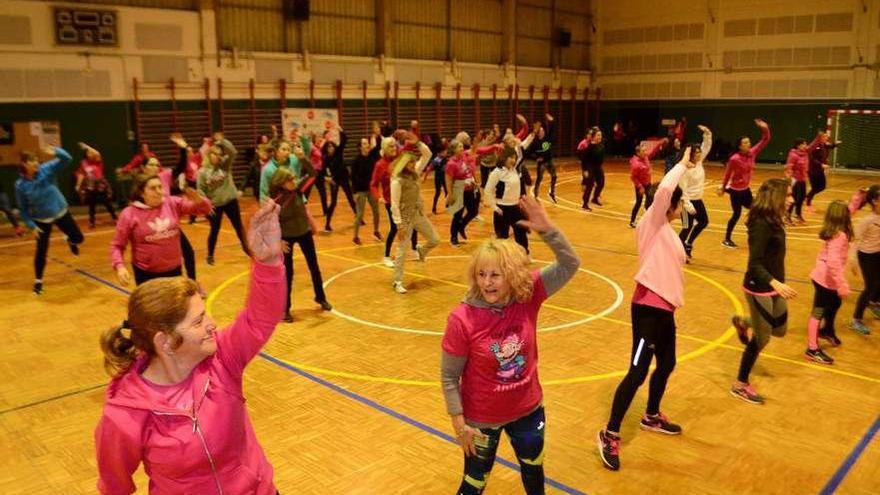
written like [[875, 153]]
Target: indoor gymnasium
[[440, 246]]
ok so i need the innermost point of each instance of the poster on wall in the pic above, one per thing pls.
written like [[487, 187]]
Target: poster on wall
[[309, 120], [16, 137]]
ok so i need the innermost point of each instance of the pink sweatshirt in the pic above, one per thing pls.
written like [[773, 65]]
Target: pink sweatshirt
[[797, 163], [208, 448], [661, 254], [640, 168], [154, 233], [831, 260], [738, 173]]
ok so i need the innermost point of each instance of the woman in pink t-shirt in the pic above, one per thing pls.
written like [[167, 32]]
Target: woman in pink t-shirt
[[490, 356]]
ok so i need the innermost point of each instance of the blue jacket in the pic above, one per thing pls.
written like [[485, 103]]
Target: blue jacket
[[39, 198]]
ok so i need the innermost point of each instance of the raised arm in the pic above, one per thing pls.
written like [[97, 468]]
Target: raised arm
[[656, 214], [240, 343], [557, 274], [706, 145], [656, 148], [424, 158], [395, 201], [765, 138], [60, 158]]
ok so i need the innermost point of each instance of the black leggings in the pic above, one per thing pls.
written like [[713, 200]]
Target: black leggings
[[392, 233], [738, 200], [189, 256], [693, 224], [799, 193], [463, 217], [510, 214], [92, 198], [541, 165], [653, 335], [234, 213], [67, 225], [307, 246], [344, 183], [826, 302], [527, 438], [439, 183], [817, 185], [594, 176], [141, 276], [638, 204], [869, 263]]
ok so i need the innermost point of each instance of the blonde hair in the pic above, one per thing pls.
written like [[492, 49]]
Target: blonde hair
[[158, 305], [513, 262], [279, 178], [389, 145]]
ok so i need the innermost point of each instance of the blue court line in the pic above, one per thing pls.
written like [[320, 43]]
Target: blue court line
[[402, 417], [851, 459], [351, 395]]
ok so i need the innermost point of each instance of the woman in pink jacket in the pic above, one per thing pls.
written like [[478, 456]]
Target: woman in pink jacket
[[175, 403], [151, 223], [659, 292], [796, 170], [640, 174], [828, 276], [738, 177]]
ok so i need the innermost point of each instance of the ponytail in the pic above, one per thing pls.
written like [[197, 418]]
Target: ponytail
[[119, 350]]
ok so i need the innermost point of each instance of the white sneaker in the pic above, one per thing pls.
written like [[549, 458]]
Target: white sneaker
[[388, 262], [399, 288]]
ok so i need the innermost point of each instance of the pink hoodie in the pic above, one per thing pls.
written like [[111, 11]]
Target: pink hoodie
[[831, 260], [796, 164], [212, 448], [154, 233], [640, 168], [738, 173], [661, 254]]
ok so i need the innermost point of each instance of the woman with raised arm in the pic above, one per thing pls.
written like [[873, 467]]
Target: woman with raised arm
[[738, 177], [91, 185], [489, 360], [694, 216], [215, 182], [175, 402]]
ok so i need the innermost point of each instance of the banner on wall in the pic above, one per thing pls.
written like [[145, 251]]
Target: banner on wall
[[309, 120], [16, 137]]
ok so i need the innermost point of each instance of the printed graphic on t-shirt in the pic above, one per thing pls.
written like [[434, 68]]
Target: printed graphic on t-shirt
[[160, 229], [511, 363]]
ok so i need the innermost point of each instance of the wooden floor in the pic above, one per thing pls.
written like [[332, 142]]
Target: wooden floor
[[349, 402]]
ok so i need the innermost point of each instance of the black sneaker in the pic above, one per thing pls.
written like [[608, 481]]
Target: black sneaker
[[328, 228], [632, 225], [553, 198], [38, 288], [586, 207], [73, 248], [831, 337], [688, 248], [596, 202], [609, 450], [818, 356], [729, 244], [462, 234], [325, 306], [742, 325], [660, 423], [210, 260]]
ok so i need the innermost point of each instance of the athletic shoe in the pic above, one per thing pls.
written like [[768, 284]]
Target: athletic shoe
[[463, 234], [747, 394], [632, 225], [288, 318], [818, 356], [687, 250], [325, 306], [729, 244], [356, 240], [328, 229], [399, 288], [387, 261], [596, 202], [91, 225], [660, 423], [73, 248], [210, 260], [741, 324], [800, 220], [454, 243], [422, 253], [553, 198], [859, 327], [38, 288], [377, 236], [831, 337], [875, 310], [609, 450], [19, 231], [363, 222], [586, 207], [787, 221]]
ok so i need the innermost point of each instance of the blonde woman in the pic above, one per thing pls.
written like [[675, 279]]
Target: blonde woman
[[489, 364], [407, 211]]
